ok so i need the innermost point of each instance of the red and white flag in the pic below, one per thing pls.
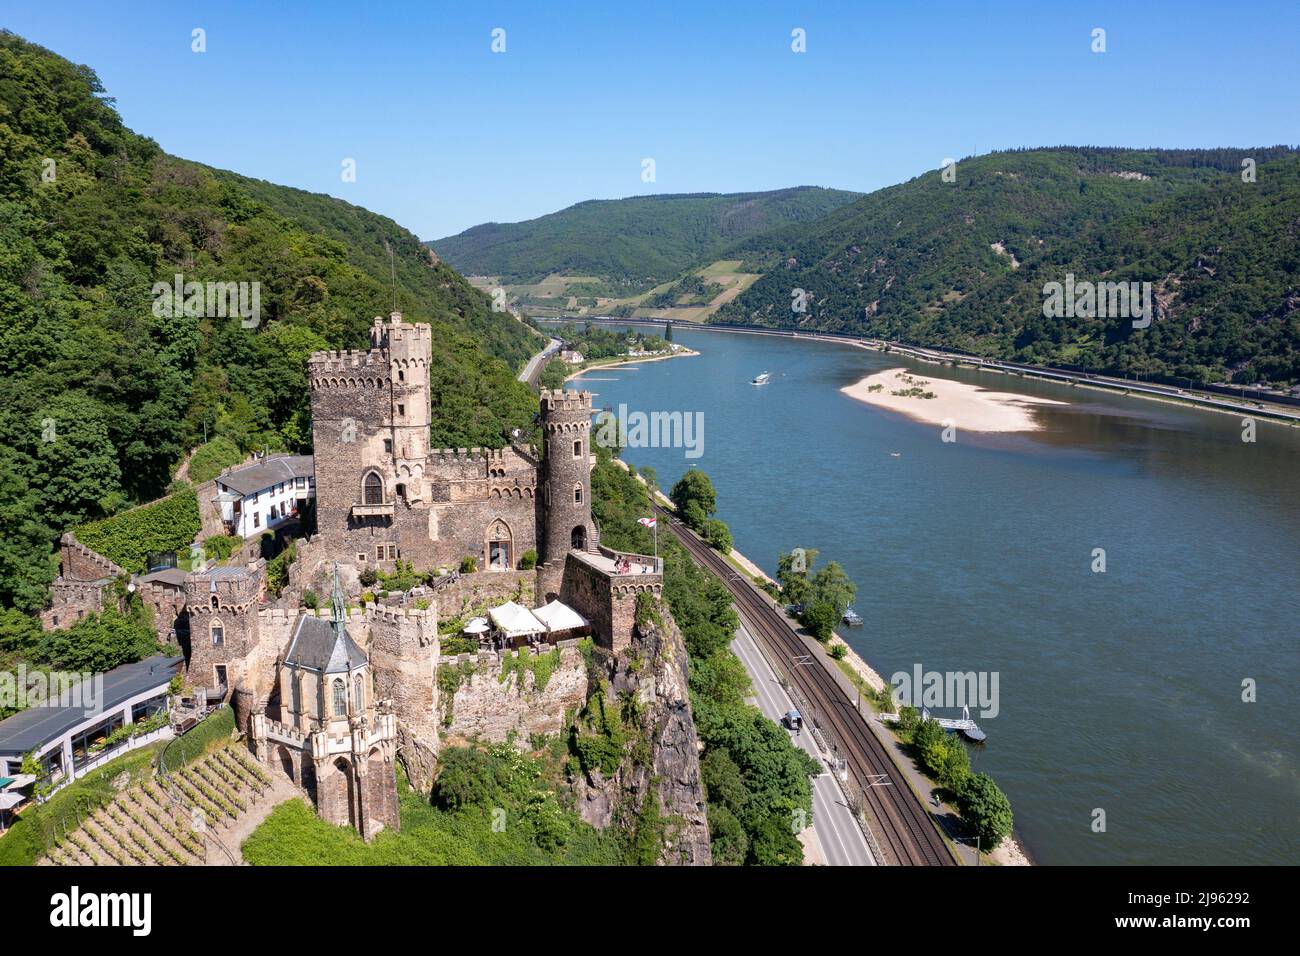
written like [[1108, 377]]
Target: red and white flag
[[648, 522]]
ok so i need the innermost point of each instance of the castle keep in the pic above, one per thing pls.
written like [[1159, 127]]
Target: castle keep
[[333, 699]]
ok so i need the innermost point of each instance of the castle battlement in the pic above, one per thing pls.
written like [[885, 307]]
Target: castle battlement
[[558, 400], [385, 613], [344, 360], [91, 564]]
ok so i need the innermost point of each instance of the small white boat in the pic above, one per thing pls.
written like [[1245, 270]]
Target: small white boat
[[761, 379], [852, 618]]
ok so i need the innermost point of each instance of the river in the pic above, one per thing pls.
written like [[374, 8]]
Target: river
[[1119, 692]]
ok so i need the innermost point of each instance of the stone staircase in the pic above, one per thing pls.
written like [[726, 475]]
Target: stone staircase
[[166, 824]]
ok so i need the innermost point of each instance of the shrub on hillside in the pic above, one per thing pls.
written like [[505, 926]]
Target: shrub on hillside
[[213, 458], [168, 524]]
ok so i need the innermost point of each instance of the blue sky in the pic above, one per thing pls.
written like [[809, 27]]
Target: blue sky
[[447, 134]]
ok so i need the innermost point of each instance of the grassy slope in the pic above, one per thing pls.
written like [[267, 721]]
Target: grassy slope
[[631, 243]]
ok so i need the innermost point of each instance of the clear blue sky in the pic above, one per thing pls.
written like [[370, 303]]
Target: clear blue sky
[[447, 134]]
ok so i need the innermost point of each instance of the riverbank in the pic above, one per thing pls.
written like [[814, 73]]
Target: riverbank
[[862, 675], [940, 401], [683, 352], [1258, 407]]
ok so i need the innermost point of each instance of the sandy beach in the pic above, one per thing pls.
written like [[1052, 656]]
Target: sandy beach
[[939, 401]]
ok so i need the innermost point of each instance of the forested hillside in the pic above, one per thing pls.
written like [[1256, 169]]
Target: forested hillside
[[631, 244], [100, 397], [964, 263]]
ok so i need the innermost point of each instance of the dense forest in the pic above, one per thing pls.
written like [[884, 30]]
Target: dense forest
[[631, 244], [101, 397], [963, 263]]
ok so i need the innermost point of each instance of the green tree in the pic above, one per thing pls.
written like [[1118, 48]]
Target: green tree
[[26, 566], [100, 642], [928, 734], [718, 535], [986, 809], [76, 457], [695, 498], [792, 574], [465, 778], [730, 843], [820, 618], [832, 586]]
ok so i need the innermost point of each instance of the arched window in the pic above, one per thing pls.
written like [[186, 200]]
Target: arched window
[[214, 602], [577, 494], [372, 492], [401, 492], [340, 697], [359, 693], [218, 634]]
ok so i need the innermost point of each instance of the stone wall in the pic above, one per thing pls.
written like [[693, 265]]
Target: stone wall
[[70, 602], [404, 651], [495, 587], [78, 563], [486, 708], [210, 524], [607, 600], [167, 602]]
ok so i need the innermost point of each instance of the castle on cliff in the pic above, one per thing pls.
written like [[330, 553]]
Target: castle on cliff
[[335, 701]]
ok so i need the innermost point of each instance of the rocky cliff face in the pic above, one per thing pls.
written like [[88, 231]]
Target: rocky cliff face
[[646, 685]]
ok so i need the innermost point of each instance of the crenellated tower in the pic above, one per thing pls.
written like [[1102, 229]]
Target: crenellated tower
[[409, 349], [566, 425]]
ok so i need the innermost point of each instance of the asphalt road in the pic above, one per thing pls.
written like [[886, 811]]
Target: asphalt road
[[833, 825], [529, 375]]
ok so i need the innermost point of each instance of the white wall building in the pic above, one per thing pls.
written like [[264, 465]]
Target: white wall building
[[265, 494]]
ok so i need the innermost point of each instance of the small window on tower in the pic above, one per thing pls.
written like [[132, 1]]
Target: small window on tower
[[577, 448], [577, 494], [401, 409], [388, 446], [218, 634], [401, 376]]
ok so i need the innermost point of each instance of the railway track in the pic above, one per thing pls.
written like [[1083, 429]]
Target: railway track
[[903, 827]]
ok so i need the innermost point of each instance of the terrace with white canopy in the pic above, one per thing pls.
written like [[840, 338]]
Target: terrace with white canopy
[[513, 625]]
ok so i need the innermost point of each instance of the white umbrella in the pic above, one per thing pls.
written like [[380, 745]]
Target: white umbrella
[[476, 625]]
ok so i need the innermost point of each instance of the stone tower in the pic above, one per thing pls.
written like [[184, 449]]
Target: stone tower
[[370, 429], [409, 349], [225, 652], [566, 425]]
